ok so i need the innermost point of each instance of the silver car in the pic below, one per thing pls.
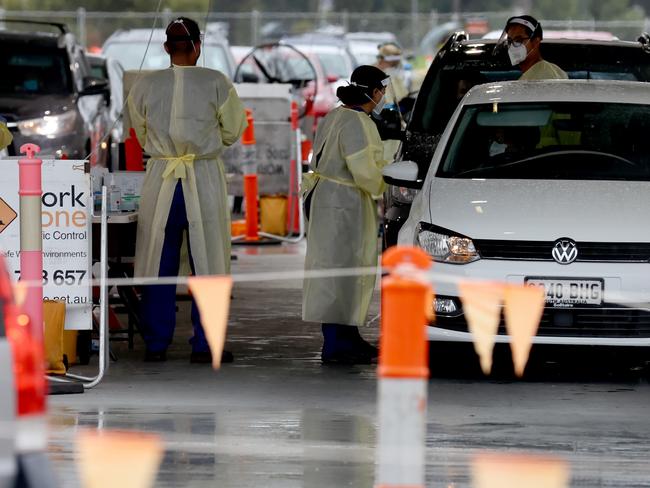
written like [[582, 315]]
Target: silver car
[[129, 48]]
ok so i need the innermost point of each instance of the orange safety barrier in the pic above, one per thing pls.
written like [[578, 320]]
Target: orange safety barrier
[[238, 228], [133, 152], [250, 197], [248, 137], [293, 200]]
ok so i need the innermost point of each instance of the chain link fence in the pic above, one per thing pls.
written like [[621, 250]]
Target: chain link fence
[[250, 28]]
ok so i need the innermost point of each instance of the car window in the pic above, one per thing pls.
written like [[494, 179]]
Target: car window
[[365, 57], [569, 141], [130, 55], [334, 64], [33, 70], [98, 71]]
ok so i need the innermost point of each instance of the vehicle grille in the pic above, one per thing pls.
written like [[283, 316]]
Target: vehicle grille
[[541, 251], [583, 322]]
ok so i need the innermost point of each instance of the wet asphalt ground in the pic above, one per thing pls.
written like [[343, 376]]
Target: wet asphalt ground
[[277, 418]]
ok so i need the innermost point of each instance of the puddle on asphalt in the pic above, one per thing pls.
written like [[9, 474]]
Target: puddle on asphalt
[[309, 448]]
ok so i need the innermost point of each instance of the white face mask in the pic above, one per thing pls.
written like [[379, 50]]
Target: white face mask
[[517, 54], [379, 106]]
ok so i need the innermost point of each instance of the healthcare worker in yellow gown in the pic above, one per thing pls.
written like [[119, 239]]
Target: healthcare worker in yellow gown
[[5, 136], [184, 117], [341, 208]]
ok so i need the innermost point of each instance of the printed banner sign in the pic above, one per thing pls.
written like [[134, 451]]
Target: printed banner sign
[[67, 225]]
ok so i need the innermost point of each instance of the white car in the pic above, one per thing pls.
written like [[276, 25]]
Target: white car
[[546, 183]]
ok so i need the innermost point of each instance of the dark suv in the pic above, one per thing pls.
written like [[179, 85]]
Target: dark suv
[[463, 63], [47, 92]]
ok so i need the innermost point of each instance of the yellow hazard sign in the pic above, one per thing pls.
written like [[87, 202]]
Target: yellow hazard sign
[[7, 215]]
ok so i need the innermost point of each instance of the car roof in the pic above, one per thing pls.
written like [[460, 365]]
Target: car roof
[[374, 37], [488, 44], [316, 39], [559, 90], [569, 54], [564, 34], [46, 38]]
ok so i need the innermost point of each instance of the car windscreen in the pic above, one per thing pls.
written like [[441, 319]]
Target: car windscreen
[[33, 70], [130, 55], [562, 140]]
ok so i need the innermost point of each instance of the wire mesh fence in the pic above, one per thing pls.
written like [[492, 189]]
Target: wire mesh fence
[[250, 28]]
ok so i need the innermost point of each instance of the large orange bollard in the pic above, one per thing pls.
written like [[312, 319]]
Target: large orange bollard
[[403, 370], [250, 181]]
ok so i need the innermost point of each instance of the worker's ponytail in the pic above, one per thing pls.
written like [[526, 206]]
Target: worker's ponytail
[[363, 82], [352, 95]]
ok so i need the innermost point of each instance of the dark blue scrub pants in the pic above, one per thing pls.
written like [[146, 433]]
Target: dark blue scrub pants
[[158, 302]]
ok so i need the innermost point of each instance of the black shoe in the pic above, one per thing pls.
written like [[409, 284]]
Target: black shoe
[[342, 344], [359, 343], [347, 358], [206, 357], [155, 356]]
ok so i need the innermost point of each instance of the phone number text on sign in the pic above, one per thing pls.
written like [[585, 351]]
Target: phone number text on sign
[[66, 222]]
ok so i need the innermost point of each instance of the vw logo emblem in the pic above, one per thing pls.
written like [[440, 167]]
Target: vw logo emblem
[[565, 251]]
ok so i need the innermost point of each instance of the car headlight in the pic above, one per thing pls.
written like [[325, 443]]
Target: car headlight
[[402, 195], [49, 125], [445, 247]]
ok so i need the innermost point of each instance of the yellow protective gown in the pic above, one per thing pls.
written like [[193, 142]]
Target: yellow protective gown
[[342, 226], [543, 70], [184, 117], [5, 136]]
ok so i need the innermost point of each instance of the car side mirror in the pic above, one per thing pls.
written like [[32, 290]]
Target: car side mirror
[[404, 174], [95, 86]]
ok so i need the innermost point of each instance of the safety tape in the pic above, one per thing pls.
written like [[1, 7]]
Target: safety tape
[[637, 300]]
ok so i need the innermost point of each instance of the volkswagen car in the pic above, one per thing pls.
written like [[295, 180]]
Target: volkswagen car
[[463, 63], [543, 183]]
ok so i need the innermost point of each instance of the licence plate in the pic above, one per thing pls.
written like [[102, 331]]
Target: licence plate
[[569, 293]]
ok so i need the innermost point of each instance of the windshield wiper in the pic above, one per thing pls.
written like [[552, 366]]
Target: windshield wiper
[[546, 155]]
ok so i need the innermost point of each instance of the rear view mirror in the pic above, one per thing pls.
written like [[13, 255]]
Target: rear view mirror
[[402, 173]]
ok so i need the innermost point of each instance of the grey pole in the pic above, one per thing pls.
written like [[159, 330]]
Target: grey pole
[[255, 27], [414, 24], [81, 25]]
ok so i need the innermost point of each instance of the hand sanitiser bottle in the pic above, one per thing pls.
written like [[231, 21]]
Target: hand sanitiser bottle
[[114, 196]]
